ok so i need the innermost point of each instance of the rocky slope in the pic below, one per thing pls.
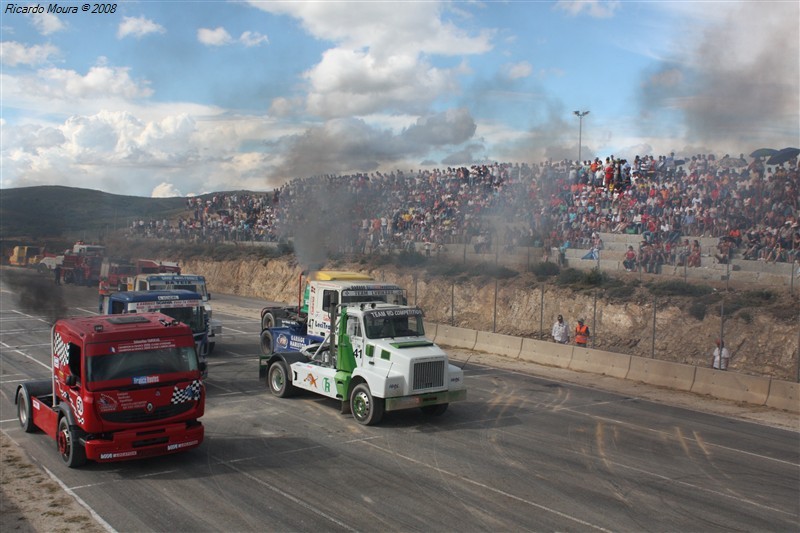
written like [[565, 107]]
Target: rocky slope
[[763, 339]]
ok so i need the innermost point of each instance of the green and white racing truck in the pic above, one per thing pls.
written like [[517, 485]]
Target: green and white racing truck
[[378, 361]]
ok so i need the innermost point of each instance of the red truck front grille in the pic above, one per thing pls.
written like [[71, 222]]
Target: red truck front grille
[[141, 415]]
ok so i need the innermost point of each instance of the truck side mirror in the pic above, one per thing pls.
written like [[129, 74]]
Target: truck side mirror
[[209, 295], [202, 366], [330, 300]]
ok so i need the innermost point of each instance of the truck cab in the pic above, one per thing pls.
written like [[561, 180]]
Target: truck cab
[[378, 361], [82, 263], [292, 328], [122, 387], [184, 306], [178, 281]]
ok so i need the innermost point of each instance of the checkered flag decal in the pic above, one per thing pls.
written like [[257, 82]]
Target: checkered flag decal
[[192, 392], [60, 351]]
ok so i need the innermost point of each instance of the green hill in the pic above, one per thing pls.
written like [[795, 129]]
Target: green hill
[[54, 212]]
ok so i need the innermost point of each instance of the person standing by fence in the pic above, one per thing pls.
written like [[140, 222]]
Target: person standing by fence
[[560, 331], [581, 333], [721, 356]]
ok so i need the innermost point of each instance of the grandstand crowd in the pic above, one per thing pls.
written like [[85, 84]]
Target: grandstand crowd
[[751, 207]]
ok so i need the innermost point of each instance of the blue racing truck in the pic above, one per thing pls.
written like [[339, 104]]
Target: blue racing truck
[[188, 282], [184, 306]]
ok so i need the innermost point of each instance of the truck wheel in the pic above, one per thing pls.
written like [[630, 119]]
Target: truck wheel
[[72, 452], [267, 321], [366, 409], [267, 346], [24, 411], [278, 380], [434, 410]]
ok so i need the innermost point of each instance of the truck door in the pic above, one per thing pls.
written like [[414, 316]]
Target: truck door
[[71, 393], [320, 323], [356, 334]]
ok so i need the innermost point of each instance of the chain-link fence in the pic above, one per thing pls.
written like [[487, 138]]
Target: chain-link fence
[[646, 315]]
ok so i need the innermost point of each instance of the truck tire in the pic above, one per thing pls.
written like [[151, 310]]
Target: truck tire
[[24, 410], [71, 451], [279, 380], [267, 346], [434, 410], [367, 409], [267, 321]]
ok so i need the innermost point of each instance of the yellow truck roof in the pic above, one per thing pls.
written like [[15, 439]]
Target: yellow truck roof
[[337, 275]]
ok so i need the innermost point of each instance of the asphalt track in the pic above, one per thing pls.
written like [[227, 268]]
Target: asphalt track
[[523, 453]]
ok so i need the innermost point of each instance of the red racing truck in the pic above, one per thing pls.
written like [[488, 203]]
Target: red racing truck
[[122, 387]]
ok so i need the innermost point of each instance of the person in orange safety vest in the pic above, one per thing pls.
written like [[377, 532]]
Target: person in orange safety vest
[[581, 333]]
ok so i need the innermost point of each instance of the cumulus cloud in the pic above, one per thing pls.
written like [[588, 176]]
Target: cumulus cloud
[[13, 53], [353, 82], [253, 38], [221, 37], [592, 8], [100, 81], [126, 153], [165, 190], [216, 37], [382, 55], [46, 23], [138, 27], [514, 71]]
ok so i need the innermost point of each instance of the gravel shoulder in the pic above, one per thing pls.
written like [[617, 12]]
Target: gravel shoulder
[[31, 501]]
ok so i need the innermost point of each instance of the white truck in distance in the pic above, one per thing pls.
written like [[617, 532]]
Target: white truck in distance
[[380, 361]]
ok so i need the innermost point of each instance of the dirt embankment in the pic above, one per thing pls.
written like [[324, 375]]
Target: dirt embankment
[[762, 340]]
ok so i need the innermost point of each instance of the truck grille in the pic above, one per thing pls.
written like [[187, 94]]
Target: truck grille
[[428, 375], [140, 415]]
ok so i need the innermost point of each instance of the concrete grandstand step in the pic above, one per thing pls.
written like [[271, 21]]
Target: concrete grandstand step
[[615, 240], [763, 266]]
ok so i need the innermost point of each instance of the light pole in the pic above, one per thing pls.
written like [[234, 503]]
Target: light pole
[[580, 115]]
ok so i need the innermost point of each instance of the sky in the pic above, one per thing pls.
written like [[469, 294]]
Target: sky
[[179, 98]]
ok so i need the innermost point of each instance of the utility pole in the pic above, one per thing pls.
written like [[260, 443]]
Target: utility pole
[[580, 115]]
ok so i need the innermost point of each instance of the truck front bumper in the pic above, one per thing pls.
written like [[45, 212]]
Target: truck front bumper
[[145, 442], [421, 400]]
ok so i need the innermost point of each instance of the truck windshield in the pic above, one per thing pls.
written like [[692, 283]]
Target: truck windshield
[[384, 327], [194, 317], [394, 299], [144, 363], [199, 288]]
